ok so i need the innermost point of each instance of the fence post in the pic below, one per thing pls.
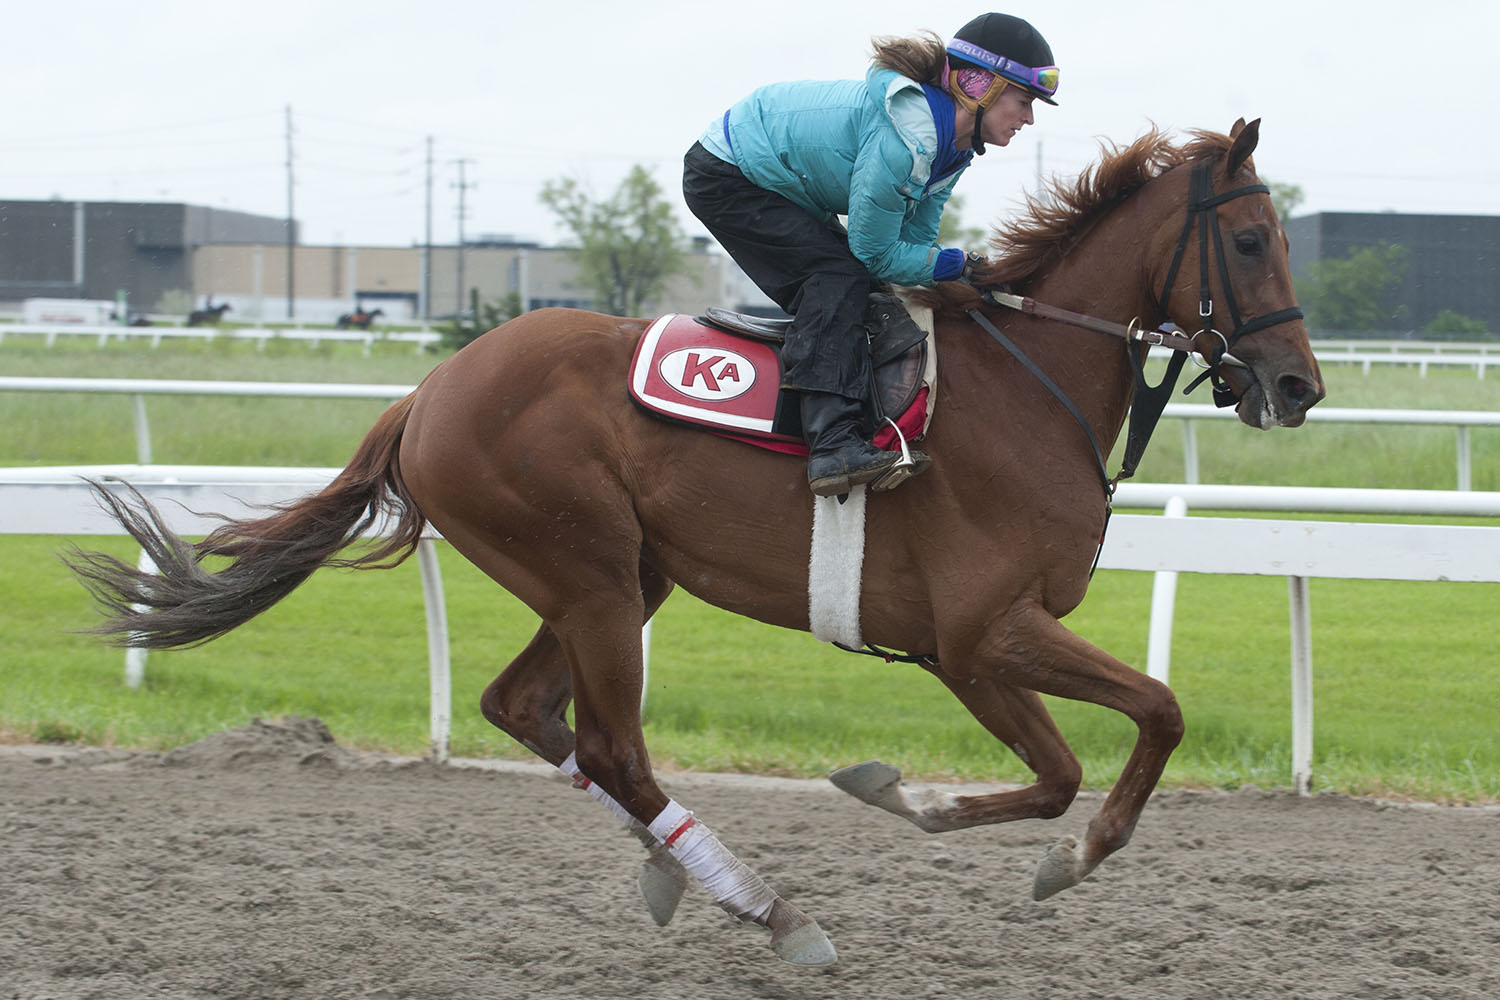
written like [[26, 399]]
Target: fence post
[[142, 431], [1163, 610], [1189, 451], [439, 674], [1302, 693], [1465, 474], [645, 663], [135, 656]]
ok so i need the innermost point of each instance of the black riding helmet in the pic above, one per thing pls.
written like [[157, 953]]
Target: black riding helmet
[[1008, 47]]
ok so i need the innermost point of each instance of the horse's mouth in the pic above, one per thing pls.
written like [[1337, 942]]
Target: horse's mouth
[[1285, 406]]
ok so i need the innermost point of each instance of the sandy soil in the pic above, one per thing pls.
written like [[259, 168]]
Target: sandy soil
[[269, 862]]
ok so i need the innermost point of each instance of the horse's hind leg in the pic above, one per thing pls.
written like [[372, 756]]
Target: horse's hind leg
[[601, 639], [1014, 716], [529, 701]]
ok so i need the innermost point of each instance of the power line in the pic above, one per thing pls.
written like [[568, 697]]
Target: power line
[[137, 130]]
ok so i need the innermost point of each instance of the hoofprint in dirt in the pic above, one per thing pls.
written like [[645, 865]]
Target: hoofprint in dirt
[[271, 862]]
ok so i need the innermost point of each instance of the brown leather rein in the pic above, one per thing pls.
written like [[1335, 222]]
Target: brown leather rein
[[1131, 332]]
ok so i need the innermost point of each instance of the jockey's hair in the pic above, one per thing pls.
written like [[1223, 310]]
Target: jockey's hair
[[918, 57]]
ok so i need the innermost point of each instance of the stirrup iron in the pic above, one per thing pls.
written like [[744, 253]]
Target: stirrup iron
[[902, 470]]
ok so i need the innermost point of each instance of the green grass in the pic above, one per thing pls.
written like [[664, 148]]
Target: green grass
[[1404, 674]]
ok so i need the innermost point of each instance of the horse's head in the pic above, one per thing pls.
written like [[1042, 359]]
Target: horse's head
[[1229, 282]]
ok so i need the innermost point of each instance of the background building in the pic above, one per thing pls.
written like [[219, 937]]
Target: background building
[[94, 250], [1452, 261], [170, 258]]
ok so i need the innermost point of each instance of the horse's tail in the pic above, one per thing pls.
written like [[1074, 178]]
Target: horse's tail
[[186, 604]]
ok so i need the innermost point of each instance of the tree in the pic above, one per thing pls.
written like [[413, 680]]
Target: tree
[[481, 319], [1355, 292], [953, 233], [1456, 326], [1285, 198], [628, 244]]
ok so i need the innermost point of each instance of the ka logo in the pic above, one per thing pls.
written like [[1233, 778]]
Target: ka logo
[[711, 374]]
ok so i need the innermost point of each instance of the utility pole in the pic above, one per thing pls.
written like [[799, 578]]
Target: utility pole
[[291, 225], [427, 244], [463, 187]]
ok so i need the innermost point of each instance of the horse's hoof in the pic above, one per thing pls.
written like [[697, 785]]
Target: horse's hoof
[[662, 882], [872, 781], [1060, 869], [797, 939]]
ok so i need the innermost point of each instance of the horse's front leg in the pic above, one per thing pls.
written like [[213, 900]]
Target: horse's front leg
[[1032, 649], [1015, 717], [1028, 650]]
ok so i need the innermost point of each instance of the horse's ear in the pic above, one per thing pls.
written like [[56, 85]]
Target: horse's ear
[[1245, 138], [1237, 127]]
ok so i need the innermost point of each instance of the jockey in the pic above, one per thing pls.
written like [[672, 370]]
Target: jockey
[[770, 177]]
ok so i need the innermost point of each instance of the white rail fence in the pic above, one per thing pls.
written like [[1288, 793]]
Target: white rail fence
[[260, 335], [54, 501], [1366, 353], [1368, 359], [1460, 420], [1362, 346]]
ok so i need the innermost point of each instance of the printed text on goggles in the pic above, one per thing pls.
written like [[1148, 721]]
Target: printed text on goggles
[[1042, 79]]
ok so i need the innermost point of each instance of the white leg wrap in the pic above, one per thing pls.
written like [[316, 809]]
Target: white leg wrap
[[569, 767], [729, 880]]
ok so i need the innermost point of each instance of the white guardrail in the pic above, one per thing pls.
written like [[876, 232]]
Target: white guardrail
[[1365, 353], [1422, 362], [260, 335], [55, 501], [1460, 420], [1188, 413]]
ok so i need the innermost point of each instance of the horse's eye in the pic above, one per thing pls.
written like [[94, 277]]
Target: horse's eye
[[1249, 244]]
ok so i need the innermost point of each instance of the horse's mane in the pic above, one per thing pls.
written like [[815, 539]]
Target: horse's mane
[[1050, 226]]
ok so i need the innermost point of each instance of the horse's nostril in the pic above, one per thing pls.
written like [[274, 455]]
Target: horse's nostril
[[1294, 389]]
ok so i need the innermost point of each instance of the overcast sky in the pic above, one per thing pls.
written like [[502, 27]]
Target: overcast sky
[[1367, 106]]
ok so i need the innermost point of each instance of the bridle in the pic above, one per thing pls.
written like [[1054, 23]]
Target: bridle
[[1148, 401], [1201, 204]]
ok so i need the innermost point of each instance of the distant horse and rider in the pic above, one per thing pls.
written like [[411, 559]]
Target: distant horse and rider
[[529, 455], [360, 319], [209, 315]]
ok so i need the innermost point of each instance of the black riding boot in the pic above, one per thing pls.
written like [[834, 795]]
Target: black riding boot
[[840, 458]]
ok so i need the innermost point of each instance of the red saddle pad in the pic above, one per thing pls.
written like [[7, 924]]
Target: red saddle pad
[[690, 372]]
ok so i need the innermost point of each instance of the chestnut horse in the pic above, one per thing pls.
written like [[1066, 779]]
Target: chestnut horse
[[525, 451]]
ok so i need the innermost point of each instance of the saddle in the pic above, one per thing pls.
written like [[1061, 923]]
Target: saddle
[[721, 372]]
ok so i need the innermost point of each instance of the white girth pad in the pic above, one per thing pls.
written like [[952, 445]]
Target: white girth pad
[[834, 572]]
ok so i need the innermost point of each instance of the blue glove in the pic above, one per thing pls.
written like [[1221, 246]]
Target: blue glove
[[949, 265]]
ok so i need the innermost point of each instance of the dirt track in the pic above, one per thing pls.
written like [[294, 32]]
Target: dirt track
[[265, 863]]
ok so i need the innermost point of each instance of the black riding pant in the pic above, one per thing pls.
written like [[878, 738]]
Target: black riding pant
[[802, 262]]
